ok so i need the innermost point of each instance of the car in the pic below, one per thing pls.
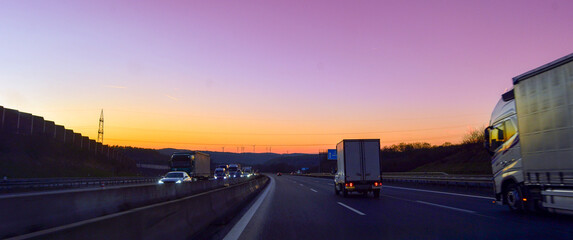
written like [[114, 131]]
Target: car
[[175, 177], [221, 173], [236, 174], [279, 174], [247, 172]]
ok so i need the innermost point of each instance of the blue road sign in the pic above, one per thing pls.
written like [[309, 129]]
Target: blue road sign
[[331, 154]]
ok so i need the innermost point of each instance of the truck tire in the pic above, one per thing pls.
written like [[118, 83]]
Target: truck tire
[[376, 193], [513, 198], [336, 190], [344, 191]]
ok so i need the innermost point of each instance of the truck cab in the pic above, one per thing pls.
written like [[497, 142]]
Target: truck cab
[[502, 142]]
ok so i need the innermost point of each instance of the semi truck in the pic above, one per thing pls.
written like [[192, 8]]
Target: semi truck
[[196, 164], [358, 167], [530, 138]]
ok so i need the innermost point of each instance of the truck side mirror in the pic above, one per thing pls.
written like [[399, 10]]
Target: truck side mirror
[[486, 137], [486, 142]]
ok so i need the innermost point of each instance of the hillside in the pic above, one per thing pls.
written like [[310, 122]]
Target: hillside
[[453, 159], [23, 156], [290, 163], [228, 157]]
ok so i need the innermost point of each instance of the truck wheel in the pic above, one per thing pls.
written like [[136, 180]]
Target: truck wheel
[[513, 198], [376, 193], [344, 191], [336, 191]]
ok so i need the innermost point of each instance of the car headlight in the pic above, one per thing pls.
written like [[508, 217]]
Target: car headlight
[[160, 182], [178, 181]]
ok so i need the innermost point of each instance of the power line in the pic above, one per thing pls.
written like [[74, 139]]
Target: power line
[[297, 134], [241, 146], [179, 114]]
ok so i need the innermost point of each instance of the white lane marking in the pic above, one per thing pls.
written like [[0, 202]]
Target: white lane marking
[[313, 190], [301, 185], [442, 206], [455, 194], [352, 209], [239, 227]]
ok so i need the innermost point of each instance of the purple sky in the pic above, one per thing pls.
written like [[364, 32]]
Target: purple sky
[[294, 75]]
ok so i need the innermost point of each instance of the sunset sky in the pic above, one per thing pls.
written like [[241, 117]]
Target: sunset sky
[[296, 76]]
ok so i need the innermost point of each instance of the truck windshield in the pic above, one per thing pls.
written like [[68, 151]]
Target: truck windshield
[[174, 175], [181, 161], [500, 133]]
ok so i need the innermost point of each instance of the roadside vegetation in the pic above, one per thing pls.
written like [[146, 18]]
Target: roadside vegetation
[[40, 157], [469, 157]]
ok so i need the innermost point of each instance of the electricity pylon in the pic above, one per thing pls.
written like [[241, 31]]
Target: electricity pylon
[[100, 129]]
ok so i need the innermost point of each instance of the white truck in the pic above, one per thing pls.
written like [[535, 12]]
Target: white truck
[[530, 137], [358, 164]]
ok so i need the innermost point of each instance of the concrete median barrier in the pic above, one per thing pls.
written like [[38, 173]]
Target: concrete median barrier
[[137, 212]]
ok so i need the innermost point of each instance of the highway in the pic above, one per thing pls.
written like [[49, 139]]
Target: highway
[[296, 207]]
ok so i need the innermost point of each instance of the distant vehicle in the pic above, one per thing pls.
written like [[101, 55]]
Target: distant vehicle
[[248, 172], [236, 174], [279, 174], [358, 167], [221, 173], [196, 164], [234, 167], [175, 177], [225, 167], [530, 139]]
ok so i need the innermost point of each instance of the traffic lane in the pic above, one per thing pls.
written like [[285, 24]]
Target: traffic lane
[[443, 217], [395, 222], [350, 218], [455, 200], [314, 183], [470, 207], [482, 206], [291, 211]]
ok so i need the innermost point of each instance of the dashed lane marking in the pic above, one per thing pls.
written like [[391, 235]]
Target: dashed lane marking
[[352, 209]]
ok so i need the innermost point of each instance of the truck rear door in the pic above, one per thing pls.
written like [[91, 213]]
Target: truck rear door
[[353, 159], [371, 163]]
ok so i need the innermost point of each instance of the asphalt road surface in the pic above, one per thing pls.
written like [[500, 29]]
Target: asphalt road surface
[[295, 207]]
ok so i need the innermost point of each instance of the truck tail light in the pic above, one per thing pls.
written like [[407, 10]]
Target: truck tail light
[[376, 184]]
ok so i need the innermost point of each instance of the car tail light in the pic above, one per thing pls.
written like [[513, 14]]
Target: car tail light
[[351, 184], [376, 184]]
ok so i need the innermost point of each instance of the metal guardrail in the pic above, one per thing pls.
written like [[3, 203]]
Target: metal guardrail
[[36, 184], [434, 178], [9, 185]]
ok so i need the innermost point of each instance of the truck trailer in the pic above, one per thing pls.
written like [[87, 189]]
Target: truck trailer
[[530, 138], [194, 163], [358, 164]]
